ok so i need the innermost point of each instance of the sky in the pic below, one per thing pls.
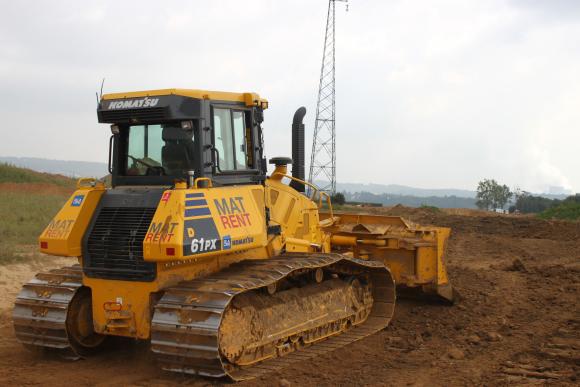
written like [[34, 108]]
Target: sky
[[432, 94]]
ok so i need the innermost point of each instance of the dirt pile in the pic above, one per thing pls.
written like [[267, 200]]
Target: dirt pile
[[518, 322]]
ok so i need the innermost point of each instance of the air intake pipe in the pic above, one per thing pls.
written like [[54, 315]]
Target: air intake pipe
[[298, 149]]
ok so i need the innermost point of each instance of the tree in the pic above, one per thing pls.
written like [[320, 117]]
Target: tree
[[526, 203], [502, 195], [485, 193], [491, 195], [338, 198]]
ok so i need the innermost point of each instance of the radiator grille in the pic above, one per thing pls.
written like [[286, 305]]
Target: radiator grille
[[128, 115], [115, 244]]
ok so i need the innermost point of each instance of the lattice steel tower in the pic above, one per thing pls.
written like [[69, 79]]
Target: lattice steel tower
[[323, 157]]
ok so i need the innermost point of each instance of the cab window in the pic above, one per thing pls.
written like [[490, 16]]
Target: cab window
[[230, 139], [158, 150]]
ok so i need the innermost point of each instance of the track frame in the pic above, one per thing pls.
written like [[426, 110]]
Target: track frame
[[186, 321]]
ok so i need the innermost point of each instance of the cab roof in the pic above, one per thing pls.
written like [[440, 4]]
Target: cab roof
[[249, 99]]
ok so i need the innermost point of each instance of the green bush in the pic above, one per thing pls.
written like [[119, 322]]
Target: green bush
[[529, 204], [430, 208], [568, 209]]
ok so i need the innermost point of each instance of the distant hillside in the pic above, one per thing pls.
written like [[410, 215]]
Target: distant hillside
[[412, 201], [74, 169], [12, 174], [78, 169], [402, 190], [395, 189]]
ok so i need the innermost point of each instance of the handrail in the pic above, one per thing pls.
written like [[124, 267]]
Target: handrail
[[315, 190], [110, 162], [328, 200], [86, 182]]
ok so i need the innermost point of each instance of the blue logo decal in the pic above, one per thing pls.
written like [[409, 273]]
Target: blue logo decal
[[227, 242], [77, 201]]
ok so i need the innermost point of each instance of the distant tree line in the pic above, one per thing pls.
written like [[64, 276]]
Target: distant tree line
[[410, 200], [491, 195], [568, 208], [529, 204], [338, 198]]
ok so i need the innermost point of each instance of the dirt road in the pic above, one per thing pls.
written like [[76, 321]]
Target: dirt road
[[518, 322]]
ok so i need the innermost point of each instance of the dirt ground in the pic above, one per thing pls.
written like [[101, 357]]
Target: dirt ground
[[518, 321]]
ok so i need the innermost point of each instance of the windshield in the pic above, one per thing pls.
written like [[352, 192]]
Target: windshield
[[158, 150]]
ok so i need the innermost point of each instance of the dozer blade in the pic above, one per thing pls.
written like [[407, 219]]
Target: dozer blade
[[414, 254], [260, 316]]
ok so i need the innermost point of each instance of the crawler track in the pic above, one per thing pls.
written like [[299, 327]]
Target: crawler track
[[187, 320], [41, 309]]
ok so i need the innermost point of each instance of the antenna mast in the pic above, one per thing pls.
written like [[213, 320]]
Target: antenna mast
[[323, 157]]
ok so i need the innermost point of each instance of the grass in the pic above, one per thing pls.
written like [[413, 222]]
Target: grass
[[23, 216], [12, 174], [567, 210], [24, 213]]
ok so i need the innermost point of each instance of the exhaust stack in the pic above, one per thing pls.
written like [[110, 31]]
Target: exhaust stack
[[298, 149]]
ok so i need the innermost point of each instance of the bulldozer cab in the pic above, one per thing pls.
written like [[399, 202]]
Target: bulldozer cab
[[162, 136]]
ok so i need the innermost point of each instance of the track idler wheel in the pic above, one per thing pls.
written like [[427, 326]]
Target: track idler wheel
[[79, 325], [318, 275]]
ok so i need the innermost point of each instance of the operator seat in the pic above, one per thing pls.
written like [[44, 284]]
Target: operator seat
[[177, 155]]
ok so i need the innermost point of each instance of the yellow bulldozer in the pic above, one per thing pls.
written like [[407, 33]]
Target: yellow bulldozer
[[225, 270]]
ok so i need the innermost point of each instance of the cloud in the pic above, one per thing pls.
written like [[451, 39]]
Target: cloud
[[437, 95]]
